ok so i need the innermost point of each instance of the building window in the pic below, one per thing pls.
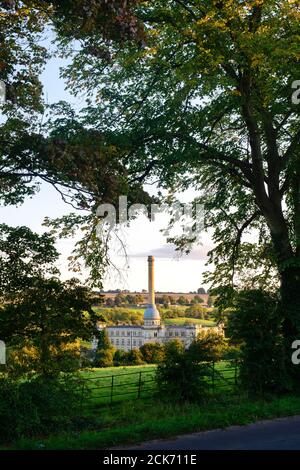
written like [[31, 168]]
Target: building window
[[117, 333], [128, 333], [176, 333], [128, 342], [170, 333], [117, 342], [134, 342], [155, 335], [140, 342], [123, 342], [182, 333]]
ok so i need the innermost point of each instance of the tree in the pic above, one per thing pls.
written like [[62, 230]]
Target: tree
[[130, 299], [196, 311], [201, 290], [25, 259], [182, 300], [134, 357], [207, 102], [120, 358], [139, 299], [43, 324], [152, 353], [104, 356], [197, 300], [256, 326], [103, 340], [54, 151], [120, 299], [209, 346], [109, 302], [41, 317], [179, 375]]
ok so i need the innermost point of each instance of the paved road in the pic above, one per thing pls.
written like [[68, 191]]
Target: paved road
[[279, 434]]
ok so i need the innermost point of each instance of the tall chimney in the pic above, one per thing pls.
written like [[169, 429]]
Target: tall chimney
[[151, 295], [151, 314]]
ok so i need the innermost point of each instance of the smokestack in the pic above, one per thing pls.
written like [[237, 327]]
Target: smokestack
[[151, 294], [151, 314]]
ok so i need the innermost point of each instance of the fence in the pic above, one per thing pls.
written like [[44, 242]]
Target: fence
[[108, 389]]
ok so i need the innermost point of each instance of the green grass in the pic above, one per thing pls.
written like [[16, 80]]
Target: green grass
[[102, 372], [172, 307], [134, 422], [131, 421], [113, 309], [115, 384], [183, 320], [128, 383]]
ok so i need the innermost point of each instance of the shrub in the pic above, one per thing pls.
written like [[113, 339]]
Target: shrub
[[196, 311], [179, 375], [120, 358], [104, 356], [209, 346], [255, 325], [152, 353], [134, 358], [38, 405], [130, 358]]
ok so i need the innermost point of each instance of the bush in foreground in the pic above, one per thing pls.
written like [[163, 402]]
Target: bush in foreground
[[37, 406], [182, 374]]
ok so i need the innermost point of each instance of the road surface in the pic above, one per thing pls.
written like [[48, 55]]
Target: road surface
[[279, 434]]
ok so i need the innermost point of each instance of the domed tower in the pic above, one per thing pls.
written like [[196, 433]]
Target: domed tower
[[151, 314]]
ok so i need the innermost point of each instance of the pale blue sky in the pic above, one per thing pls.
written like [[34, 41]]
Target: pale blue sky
[[141, 239]]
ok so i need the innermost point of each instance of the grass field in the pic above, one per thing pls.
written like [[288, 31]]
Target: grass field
[[183, 320], [116, 384], [133, 422], [167, 321]]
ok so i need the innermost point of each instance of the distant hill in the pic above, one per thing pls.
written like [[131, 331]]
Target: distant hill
[[175, 295]]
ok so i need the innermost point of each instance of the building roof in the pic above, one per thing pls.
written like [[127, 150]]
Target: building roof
[[151, 313]]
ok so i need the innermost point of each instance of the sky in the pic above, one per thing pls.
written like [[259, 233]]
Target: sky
[[174, 273]]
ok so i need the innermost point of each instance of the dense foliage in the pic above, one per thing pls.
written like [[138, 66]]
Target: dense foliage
[[182, 373], [41, 317], [38, 406], [256, 326]]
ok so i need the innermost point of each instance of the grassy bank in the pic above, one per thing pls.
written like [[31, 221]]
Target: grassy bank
[[125, 313], [183, 320], [134, 422]]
